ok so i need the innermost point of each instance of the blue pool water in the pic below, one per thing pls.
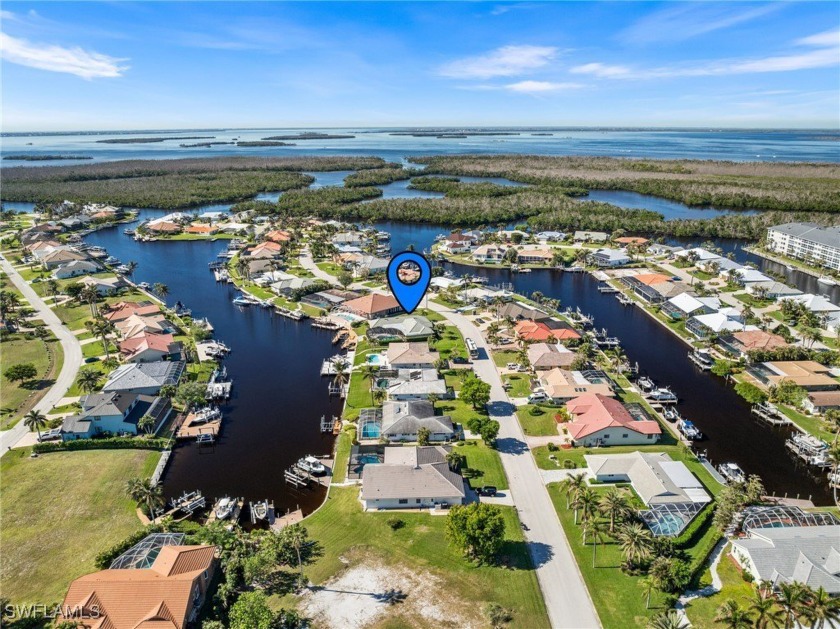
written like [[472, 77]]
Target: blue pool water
[[371, 431], [369, 459], [666, 524], [375, 360]]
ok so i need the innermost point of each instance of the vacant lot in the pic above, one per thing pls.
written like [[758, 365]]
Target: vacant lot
[[58, 512], [18, 350]]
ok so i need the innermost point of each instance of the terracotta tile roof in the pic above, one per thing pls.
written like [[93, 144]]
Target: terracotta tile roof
[[164, 226], [759, 339], [153, 598], [594, 412], [649, 279], [278, 235], [124, 309], [539, 331], [632, 240], [130, 348], [201, 229], [372, 304]]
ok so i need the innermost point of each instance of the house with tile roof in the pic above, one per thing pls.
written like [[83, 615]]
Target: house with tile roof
[[149, 347], [104, 285], [562, 385], [412, 478], [373, 306], [76, 268], [114, 413], [416, 355], [124, 309], [400, 328], [60, 257], [167, 595], [741, 343], [543, 331], [279, 236], [544, 356], [603, 421]]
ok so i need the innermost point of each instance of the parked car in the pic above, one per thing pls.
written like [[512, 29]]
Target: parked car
[[487, 490], [537, 397], [460, 360], [51, 435], [522, 368], [512, 366], [505, 341]]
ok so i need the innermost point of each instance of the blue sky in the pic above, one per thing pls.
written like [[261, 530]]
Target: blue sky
[[127, 65]]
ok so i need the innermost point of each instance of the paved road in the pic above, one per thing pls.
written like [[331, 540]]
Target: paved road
[[69, 343], [564, 591]]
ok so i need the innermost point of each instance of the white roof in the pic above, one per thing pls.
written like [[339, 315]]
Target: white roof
[[720, 321], [689, 303], [748, 275], [446, 282], [703, 255], [815, 303]]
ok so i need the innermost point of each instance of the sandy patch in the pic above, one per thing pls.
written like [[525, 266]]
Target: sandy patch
[[358, 598]]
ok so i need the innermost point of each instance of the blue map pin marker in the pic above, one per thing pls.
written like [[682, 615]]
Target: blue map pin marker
[[409, 274]]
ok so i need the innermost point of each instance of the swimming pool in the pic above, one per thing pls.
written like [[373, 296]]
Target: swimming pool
[[371, 431], [369, 459], [666, 524], [377, 360]]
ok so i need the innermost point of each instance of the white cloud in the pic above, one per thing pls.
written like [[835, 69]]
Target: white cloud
[[83, 63], [504, 61], [540, 87], [826, 54]]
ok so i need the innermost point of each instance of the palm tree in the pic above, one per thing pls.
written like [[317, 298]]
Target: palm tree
[[613, 505], [792, 600], [142, 491], [35, 420], [765, 612], [587, 503], [146, 424], [161, 290], [596, 530], [648, 585], [635, 542], [821, 609], [670, 619], [88, 380], [572, 484], [368, 372], [100, 327], [295, 535], [341, 374], [52, 287], [90, 295], [132, 266], [733, 615]]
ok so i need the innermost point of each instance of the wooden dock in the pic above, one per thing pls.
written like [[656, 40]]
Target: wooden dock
[[291, 517], [190, 429], [774, 419]]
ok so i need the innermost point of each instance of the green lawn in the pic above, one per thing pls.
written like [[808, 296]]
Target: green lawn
[[753, 302], [59, 511], [343, 445], [520, 384], [538, 425], [484, 465], [15, 397], [702, 611], [450, 344], [98, 366], [810, 424], [504, 357], [351, 537]]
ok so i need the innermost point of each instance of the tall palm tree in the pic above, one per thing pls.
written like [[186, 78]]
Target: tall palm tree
[[587, 504], [88, 380], [821, 609], [368, 373], [792, 600], [670, 619], [342, 375], [596, 530], [571, 485], [161, 290], [100, 327], [765, 612], [635, 541], [142, 491], [648, 585], [90, 295], [613, 505], [35, 420], [295, 535], [733, 615]]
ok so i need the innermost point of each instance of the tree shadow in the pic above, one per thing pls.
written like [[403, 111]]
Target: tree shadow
[[524, 555], [498, 408], [281, 582], [510, 445], [37, 385]]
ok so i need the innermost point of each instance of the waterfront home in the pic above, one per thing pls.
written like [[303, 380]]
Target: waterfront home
[[114, 413], [144, 378], [516, 311], [588, 236], [543, 356], [76, 268], [817, 304], [549, 236], [402, 420], [363, 264], [781, 553], [720, 322], [104, 285], [533, 255], [720, 266], [213, 216], [818, 402], [528, 331], [409, 478], [329, 299], [166, 590], [200, 229], [148, 347], [561, 385], [292, 284], [441, 283], [772, 290], [813, 243], [808, 374], [512, 235], [411, 356], [747, 276], [373, 306], [489, 253], [631, 240], [163, 227], [415, 384], [280, 236], [696, 255], [136, 324], [262, 265], [610, 257], [458, 243], [41, 249], [351, 238], [671, 492], [643, 285], [270, 277], [664, 291], [124, 309], [686, 305], [740, 343], [264, 250], [485, 294], [400, 328], [60, 257], [599, 420], [39, 242]]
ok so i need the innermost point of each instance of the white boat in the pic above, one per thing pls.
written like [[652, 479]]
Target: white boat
[[144, 285], [702, 358], [224, 508], [732, 473], [242, 301], [312, 465], [689, 430], [259, 510], [825, 279], [671, 414], [645, 383], [663, 395]]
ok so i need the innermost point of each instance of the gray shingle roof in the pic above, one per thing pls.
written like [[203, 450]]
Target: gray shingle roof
[[416, 479], [829, 236], [406, 418], [144, 375]]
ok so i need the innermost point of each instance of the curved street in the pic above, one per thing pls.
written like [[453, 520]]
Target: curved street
[[69, 368]]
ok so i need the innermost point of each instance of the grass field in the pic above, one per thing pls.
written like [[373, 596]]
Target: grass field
[[537, 425], [15, 396], [702, 611], [59, 511], [350, 537], [520, 384], [484, 464]]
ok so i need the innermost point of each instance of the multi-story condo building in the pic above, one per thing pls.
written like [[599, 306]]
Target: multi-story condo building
[[807, 241]]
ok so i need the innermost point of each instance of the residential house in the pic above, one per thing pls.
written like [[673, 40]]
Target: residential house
[[610, 257], [148, 347], [329, 299], [818, 402], [400, 328], [163, 227], [442, 283], [773, 290], [545, 331], [658, 249], [263, 250], [153, 324], [550, 236], [544, 356], [76, 268], [686, 305], [292, 284], [631, 240], [697, 255], [402, 420], [114, 413], [589, 236], [411, 356], [124, 309], [516, 311], [723, 321], [144, 378], [104, 285], [201, 229], [280, 236], [415, 384], [489, 253], [169, 593], [643, 285], [412, 478], [747, 276], [741, 343], [599, 420], [529, 255], [60, 257], [817, 304], [373, 306], [561, 385], [808, 374], [457, 243], [351, 238]]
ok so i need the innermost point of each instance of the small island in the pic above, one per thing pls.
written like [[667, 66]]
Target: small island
[[264, 143], [202, 144], [43, 158], [151, 140], [309, 135]]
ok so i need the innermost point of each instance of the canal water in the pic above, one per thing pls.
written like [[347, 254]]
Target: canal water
[[671, 210]]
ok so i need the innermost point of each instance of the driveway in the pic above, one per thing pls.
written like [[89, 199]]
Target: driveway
[[72, 356]]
